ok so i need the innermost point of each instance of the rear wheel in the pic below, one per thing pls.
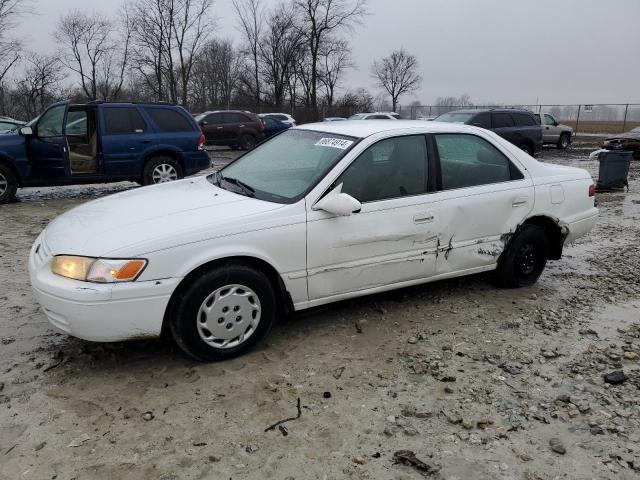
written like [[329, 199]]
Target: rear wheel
[[247, 142], [8, 185], [564, 141], [223, 313], [161, 170], [522, 263], [527, 148]]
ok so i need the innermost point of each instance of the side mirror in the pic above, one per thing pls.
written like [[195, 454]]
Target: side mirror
[[338, 203], [26, 131], [204, 122]]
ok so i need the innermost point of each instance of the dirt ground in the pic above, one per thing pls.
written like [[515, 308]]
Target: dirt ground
[[477, 381]]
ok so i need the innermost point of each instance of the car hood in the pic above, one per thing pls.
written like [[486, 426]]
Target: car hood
[[627, 135], [152, 218]]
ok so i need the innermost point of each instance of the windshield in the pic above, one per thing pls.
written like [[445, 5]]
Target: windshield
[[201, 116], [453, 117], [358, 116], [286, 167]]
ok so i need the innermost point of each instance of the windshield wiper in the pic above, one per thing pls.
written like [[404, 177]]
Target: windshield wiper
[[246, 189]]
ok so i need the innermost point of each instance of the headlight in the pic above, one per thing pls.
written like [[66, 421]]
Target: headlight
[[99, 270]]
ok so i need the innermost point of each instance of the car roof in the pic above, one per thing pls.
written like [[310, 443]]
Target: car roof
[[484, 110], [366, 128]]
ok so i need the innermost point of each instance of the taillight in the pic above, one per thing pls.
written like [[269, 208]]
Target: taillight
[[592, 190], [261, 124], [201, 141]]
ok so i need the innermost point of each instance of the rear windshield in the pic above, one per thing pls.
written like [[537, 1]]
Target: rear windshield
[[453, 117], [357, 116]]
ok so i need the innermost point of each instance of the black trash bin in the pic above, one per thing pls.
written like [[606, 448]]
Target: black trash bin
[[614, 170]]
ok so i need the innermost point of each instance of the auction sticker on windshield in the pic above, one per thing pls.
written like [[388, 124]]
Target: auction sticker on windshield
[[340, 143]]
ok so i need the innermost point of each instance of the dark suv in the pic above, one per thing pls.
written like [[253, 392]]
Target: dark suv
[[101, 142], [520, 127], [235, 128]]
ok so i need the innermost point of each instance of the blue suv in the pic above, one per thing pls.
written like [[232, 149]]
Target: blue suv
[[101, 142]]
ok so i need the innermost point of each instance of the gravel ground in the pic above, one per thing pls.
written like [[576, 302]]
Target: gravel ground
[[469, 380]]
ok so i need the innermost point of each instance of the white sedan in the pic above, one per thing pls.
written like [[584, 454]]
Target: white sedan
[[320, 213]]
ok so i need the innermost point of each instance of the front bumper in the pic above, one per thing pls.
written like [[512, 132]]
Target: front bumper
[[98, 312]]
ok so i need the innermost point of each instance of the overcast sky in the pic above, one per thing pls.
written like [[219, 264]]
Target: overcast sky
[[510, 51]]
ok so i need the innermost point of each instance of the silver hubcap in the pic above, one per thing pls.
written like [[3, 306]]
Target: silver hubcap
[[164, 173], [4, 184], [229, 316]]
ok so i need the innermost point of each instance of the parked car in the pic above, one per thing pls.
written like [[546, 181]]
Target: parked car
[[282, 117], [375, 116], [334, 119], [273, 126], [426, 118], [101, 142], [625, 141], [520, 127], [233, 128], [554, 132], [9, 124], [320, 213]]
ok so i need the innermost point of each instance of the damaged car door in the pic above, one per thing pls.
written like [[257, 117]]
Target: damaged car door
[[484, 196], [392, 238]]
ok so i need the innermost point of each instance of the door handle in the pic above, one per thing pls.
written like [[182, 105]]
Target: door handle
[[423, 218], [219, 128], [520, 201], [241, 126]]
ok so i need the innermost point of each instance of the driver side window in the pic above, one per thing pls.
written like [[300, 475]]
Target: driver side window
[[548, 120], [50, 124], [391, 168]]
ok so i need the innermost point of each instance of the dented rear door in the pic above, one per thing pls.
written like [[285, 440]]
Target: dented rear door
[[483, 199]]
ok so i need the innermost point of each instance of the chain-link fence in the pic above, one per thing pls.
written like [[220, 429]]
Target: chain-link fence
[[591, 119]]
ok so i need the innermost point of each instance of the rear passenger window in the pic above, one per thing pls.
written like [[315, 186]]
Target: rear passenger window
[[501, 120], [468, 160], [235, 118], [123, 121], [482, 120], [391, 168], [523, 119], [169, 120]]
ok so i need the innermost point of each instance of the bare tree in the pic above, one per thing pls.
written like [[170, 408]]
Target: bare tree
[[189, 28], [335, 60], [215, 76], [250, 16], [279, 49], [40, 83], [10, 12], [397, 74], [322, 19], [168, 35], [93, 52]]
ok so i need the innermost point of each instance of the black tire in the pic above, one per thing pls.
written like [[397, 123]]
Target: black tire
[[564, 141], [247, 142], [522, 263], [527, 148], [150, 173], [8, 185], [187, 321]]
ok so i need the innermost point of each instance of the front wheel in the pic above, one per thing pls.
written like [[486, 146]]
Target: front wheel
[[564, 141], [8, 185], [522, 263], [223, 313], [161, 170]]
